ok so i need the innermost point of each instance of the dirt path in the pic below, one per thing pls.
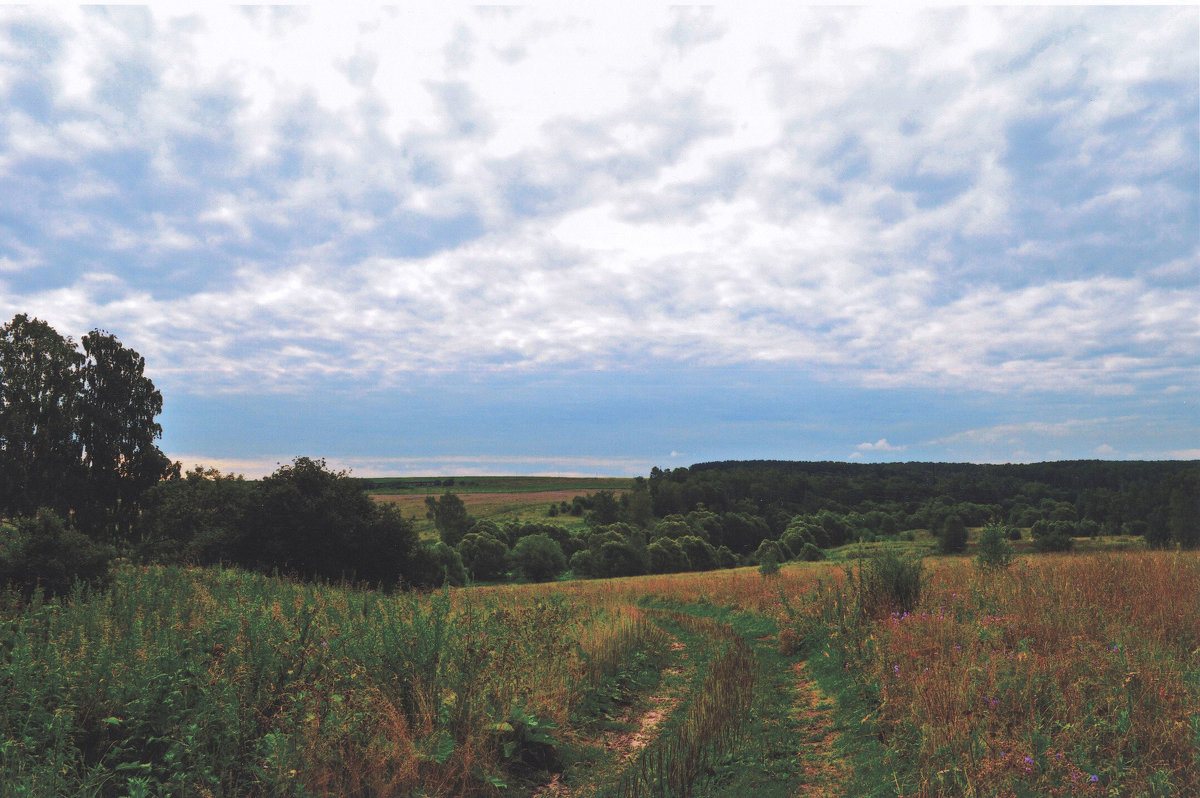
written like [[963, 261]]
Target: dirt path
[[825, 772], [642, 721]]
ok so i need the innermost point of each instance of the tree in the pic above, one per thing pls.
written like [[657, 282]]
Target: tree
[[319, 523], [538, 557], [605, 508], [995, 552], [666, 557], [1183, 513], [117, 430], [40, 393], [198, 518], [952, 536], [484, 556], [450, 516]]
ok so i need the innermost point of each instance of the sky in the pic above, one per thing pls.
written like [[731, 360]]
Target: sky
[[455, 240]]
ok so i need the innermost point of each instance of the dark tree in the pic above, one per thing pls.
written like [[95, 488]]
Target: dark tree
[[117, 430], [952, 536], [39, 410], [319, 523], [484, 556], [450, 516], [605, 508], [197, 518], [538, 558]]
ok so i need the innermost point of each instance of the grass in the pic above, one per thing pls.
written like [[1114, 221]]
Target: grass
[[494, 498], [1065, 674], [1071, 674]]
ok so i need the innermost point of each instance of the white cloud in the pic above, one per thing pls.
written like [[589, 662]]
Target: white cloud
[[880, 445], [828, 189]]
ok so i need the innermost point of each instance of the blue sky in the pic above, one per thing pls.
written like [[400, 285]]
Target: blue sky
[[538, 240]]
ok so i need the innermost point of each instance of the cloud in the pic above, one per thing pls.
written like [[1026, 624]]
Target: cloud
[[880, 445], [978, 199]]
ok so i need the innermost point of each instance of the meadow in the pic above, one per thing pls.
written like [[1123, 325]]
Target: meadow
[[490, 498], [1072, 674]]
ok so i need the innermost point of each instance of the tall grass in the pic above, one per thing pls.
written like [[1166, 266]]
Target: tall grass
[[1061, 675], [210, 682]]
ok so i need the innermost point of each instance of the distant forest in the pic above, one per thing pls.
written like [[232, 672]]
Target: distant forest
[[1128, 497]]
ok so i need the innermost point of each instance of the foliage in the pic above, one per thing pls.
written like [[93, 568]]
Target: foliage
[[1183, 516], [117, 430], [952, 535], [450, 516], [994, 550], [538, 558], [77, 430], [45, 553], [667, 557], [887, 582], [197, 518], [1052, 535], [40, 452], [318, 523], [484, 557]]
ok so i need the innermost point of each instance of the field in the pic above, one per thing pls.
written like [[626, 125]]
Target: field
[[1061, 675], [492, 498]]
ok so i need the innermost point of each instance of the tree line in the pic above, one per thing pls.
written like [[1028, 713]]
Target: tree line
[[82, 480]]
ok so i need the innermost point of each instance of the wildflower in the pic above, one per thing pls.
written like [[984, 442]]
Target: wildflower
[[895, 669], [1094, 779]]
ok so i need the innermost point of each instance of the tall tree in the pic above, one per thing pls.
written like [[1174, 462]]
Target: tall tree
[[39, 404], [450, 516], [117, 429]]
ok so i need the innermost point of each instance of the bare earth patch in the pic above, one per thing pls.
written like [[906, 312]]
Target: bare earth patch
[[824, 771]]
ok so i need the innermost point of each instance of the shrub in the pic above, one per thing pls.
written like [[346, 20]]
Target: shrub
[[811, 552], [700, 553], [619, 558], [46, 552], [1052, 535], [887, 583], [995, 551], [952, 535]]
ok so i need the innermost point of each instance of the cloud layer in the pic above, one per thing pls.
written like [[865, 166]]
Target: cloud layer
[[272, 199]]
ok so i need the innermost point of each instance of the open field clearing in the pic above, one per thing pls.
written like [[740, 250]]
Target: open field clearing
[[424, 486], [494, 506], [1061, 675]]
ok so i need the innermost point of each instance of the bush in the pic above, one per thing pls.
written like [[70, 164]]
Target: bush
[[45, 552], [952, 535], [995, 551], [538, 558], [811, 552], [887, 583], [1052, 535]]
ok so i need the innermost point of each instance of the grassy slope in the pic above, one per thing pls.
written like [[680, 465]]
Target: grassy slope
[[494, 498]]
